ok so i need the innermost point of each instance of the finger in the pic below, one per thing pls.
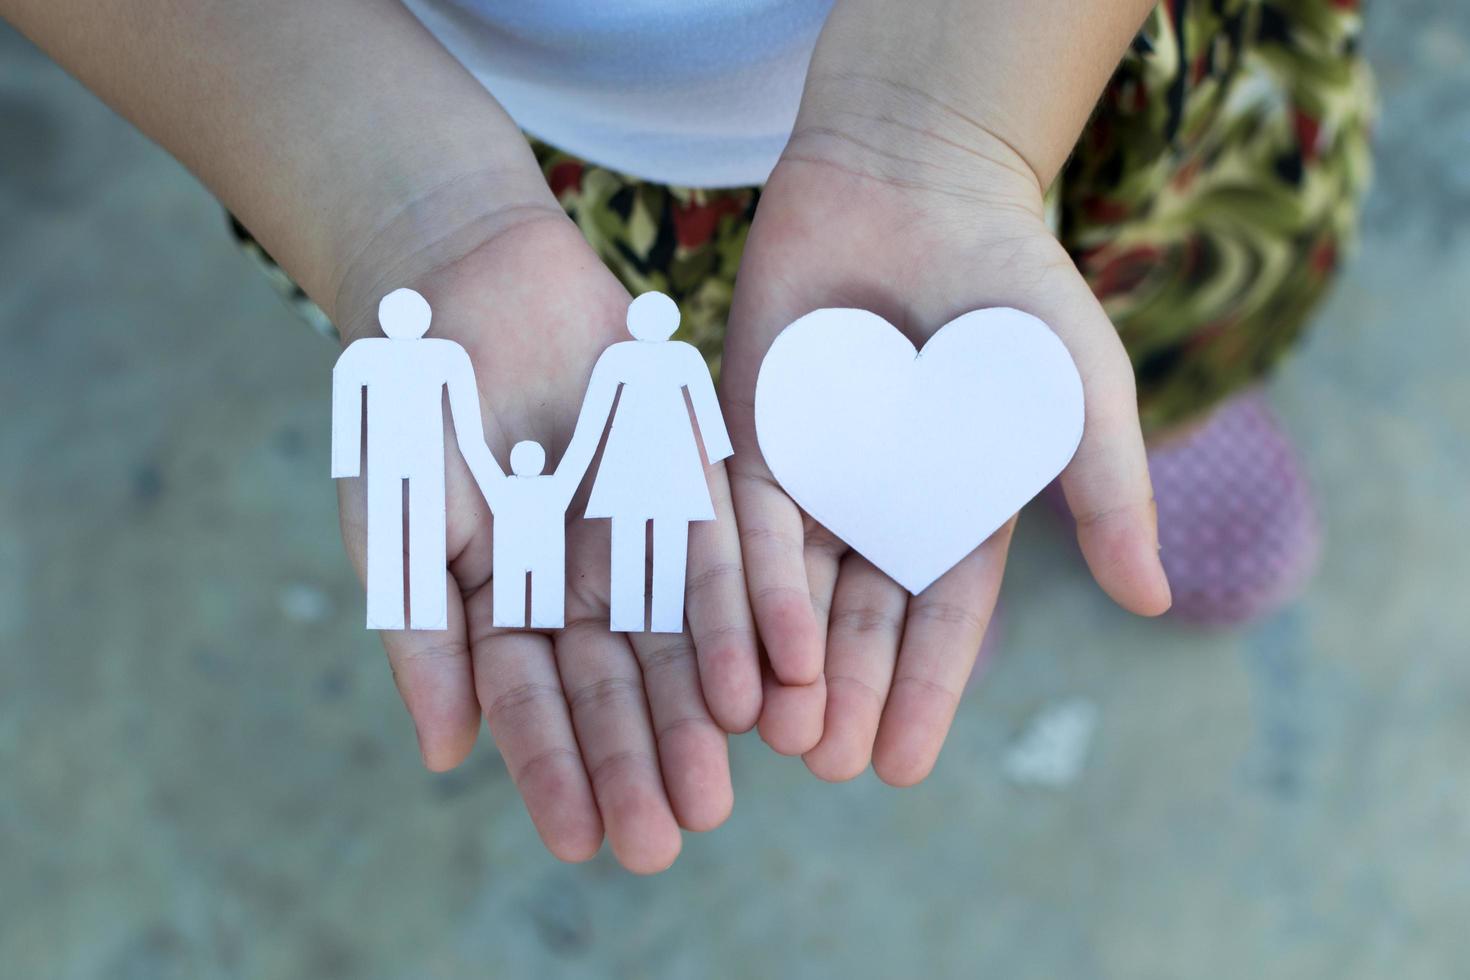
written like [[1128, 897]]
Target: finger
[[772, 542], [720, 620], [518, 686], [941, 639], [791, 715], [794, 723], [1111, 498], [604, 689], [822, 556], [431, 668], [1107, 483], [862, 648], [432, 671], [692, 750]]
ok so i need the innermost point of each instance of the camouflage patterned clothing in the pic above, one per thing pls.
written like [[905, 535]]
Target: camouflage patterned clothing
[[1208, 201], [1211, 197]]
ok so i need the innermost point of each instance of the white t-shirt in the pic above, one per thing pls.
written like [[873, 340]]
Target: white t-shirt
[[698, 93]]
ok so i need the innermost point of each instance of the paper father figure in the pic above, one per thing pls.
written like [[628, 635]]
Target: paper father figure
[[916, 457], [405, 376]]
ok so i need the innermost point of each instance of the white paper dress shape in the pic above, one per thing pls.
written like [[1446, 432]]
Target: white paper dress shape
[[916, 457]]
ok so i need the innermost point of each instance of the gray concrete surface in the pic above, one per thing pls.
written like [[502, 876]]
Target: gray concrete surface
[[205, 772]]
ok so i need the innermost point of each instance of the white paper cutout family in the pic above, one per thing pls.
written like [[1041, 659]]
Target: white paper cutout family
[[912, 457], [651, 471]]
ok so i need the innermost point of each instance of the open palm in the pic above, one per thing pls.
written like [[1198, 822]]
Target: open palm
[[603, 733], [859, 671]]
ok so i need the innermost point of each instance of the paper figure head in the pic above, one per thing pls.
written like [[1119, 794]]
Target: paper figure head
[[404, 315], [653, 317], [527, 458]]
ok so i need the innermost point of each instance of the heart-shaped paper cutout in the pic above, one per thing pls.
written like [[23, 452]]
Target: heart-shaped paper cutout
[[916, 457]]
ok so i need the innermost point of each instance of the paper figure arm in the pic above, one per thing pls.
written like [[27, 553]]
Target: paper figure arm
[[469, 430], [707, 408], [348, 380], [597, 404]]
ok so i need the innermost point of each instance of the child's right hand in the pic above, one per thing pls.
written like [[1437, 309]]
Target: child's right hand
[[363, 157], [602, 732]]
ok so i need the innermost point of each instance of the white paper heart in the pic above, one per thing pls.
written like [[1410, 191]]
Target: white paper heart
[[916, 457]]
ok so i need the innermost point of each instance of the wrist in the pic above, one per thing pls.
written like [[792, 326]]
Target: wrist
[[898, 133], [935, 84], [416, 235]]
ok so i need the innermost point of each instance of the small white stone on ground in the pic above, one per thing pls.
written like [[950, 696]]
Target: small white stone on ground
[[1053, 748], [302, 603]]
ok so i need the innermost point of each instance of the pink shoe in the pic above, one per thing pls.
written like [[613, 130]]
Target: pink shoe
[[1238, 526]]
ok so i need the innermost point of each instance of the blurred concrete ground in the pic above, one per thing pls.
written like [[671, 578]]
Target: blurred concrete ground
[[205, 770]]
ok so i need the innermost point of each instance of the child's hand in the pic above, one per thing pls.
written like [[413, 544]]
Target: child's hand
[[918, 239], [601, 732]]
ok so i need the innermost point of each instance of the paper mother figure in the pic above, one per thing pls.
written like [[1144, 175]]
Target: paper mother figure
[[651, 472], [405, 375]]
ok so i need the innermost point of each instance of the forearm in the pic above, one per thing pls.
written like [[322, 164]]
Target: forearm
[[339, 131], [929, 82]]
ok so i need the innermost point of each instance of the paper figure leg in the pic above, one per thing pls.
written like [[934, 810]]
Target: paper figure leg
[[549, 592], [629, 574], [670, 560], [508, 597], [384, 550], [427, 593]]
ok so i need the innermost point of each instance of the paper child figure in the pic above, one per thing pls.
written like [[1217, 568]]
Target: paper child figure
[[530, 528], [405, 376], [651, 470]]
